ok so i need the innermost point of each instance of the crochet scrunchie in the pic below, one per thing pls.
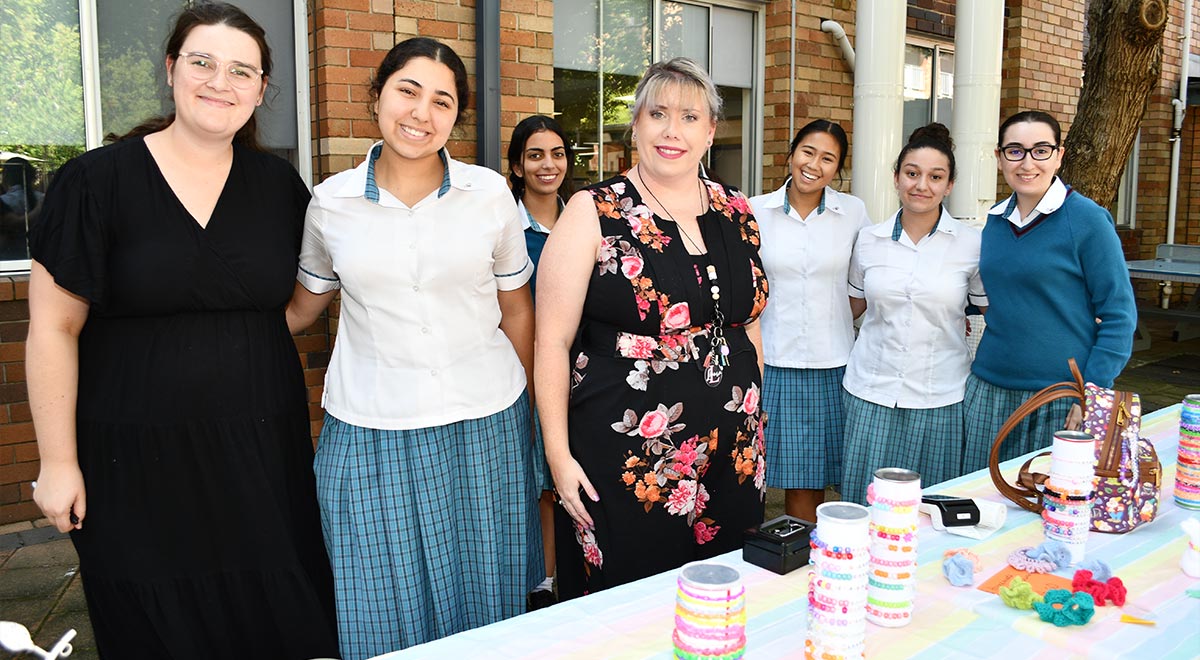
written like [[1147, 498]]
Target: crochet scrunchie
[[1019, 594], [1100, 570], [959, 570], [1045, 558], [1113, 589], [1062, 608]]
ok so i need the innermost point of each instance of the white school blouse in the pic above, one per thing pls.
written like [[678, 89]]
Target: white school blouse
[[808, 325], [419, 341], [912, 348]]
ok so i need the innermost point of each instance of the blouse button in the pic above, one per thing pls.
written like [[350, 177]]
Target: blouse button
[[433, 372], [424, 331], [416, 287]]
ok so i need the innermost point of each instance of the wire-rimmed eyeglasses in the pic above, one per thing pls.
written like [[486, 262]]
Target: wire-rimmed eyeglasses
[[1015, 153], [204, 67]]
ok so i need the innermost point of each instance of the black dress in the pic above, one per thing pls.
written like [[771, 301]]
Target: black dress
[[202, 537], [678, 464]]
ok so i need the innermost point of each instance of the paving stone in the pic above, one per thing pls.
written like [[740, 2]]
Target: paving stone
[[55, 553], [29, 612], [41, 582], [60, 623], [73, 599]]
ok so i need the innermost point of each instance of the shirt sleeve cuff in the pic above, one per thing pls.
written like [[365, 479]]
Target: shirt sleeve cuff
[[514, 280], [316, 283]]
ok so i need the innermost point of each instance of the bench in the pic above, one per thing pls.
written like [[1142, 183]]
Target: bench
[[1171, 263]]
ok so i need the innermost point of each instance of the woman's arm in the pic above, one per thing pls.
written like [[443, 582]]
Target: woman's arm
[[56, 317], [304, 307], [857, 306], [754, 332], [516, 322], [563, 274]]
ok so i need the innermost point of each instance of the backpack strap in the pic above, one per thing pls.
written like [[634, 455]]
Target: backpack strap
[[1027, 482]]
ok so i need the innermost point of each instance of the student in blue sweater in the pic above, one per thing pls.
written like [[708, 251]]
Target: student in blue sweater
[[539, 170], [1058, 288]]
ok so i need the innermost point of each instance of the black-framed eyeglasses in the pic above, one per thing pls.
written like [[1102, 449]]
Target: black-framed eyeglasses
[[1015, 153], [204, 67]]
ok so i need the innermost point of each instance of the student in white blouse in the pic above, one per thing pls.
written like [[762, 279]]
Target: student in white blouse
[[807, 230], [424, 465], [914, 275]]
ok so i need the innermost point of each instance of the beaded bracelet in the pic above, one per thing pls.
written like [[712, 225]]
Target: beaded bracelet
[[885, 585], [908, 537], [810, 652], [880, 614], [834, 552], [1077, 496], [842, 576], [1062, 608], [887, 576], [893, 530], [824, 619], [889, 604], [1049, 504], [897, 506], [899, 563], [1065, 531]]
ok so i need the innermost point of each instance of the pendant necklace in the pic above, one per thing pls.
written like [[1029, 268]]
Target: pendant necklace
[[717, 358]]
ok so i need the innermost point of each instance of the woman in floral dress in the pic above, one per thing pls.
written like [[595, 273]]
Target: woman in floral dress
[[648, 362]]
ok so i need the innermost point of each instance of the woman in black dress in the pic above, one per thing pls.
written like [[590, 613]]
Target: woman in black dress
[[648, 364], [166, 391]]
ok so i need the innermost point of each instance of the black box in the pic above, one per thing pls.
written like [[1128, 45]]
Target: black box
[[780, 545]]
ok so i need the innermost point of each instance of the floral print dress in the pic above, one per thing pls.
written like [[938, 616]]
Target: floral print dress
[[678, 463]]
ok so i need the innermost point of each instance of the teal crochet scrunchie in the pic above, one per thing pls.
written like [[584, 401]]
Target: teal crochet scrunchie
[[1062, 608]]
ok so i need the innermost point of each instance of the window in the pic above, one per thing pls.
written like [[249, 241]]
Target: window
[[601, 50], [69, 75], [928, 85]]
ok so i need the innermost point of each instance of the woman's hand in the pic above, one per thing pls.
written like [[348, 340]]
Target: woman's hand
[[1074, 418], [60, 495], [569, 479]]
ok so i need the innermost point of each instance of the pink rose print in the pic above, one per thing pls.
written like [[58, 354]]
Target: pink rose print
[[653, 424], [591, 551], [705, 532], [683, 498], [638, 347], [701, 499], [631, 267], [750, 401], [678, 316], [635, 224]]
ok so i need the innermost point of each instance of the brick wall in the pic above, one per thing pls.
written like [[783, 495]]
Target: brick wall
[[824, 86], [18, 448]]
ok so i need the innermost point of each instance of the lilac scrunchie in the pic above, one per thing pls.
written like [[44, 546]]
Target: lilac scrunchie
[[1100, 570], [1052, 551], [959, 570]]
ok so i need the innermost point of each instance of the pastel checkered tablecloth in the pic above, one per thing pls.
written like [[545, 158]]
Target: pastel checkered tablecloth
[[635, 620]]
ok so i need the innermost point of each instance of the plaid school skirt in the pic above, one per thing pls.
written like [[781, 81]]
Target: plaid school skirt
[[927, 440], [429, 531], [987, 407], [805, 426]]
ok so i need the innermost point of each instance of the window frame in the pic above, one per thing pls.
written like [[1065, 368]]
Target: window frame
[[93, 121], [938, 48]]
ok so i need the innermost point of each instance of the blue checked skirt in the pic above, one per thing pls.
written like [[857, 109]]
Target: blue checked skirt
[[805, 426], [986, 407], [429, 531], [928, 440]]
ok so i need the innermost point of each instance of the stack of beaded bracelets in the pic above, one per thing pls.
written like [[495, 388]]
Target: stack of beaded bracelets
[[710, 613], [837, 590], [1187, 469], [894, 496], [1067, 495]]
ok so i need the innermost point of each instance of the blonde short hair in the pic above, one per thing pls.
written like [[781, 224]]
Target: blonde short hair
[[680, 71]]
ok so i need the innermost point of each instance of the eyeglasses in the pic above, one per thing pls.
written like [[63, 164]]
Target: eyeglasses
[[1015, 153], [202, 67]]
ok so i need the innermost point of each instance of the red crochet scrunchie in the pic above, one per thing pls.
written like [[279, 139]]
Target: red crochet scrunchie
[[1113, 590]]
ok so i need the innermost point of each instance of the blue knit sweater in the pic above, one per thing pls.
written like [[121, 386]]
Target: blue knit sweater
[[1046, 288]]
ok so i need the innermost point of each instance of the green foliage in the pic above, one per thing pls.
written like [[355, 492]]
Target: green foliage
[[41, 91]]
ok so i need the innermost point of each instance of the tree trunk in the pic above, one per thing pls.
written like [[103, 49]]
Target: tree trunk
[[1120, 70]]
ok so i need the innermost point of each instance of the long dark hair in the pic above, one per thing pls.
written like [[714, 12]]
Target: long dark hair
[[931, 136], [433, 49], [823, 126], [516, 153], [208, 13], [1033, 117]]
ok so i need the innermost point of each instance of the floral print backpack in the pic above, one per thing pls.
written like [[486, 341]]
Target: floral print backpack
[[1128, 472]]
